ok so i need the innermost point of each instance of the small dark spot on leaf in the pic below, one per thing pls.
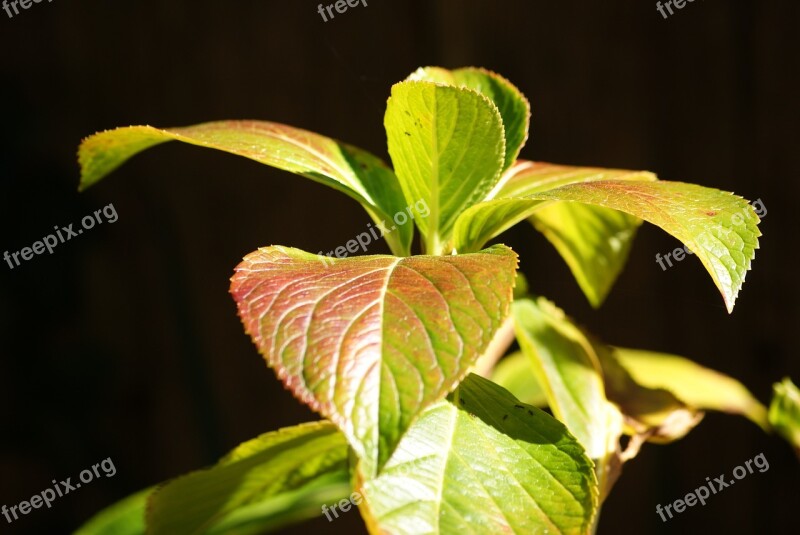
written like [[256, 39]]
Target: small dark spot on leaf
[[518, 407], [504, 417], [711, 213], [530, 412], [406, 133], [408, 112]]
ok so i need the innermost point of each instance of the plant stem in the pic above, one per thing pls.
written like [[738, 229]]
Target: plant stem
[[497, 348]]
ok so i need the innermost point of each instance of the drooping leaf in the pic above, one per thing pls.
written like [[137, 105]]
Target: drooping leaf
[[784, 412], [447, 147], [567, 368], [125, 517], [691, 383], [651, 414], [593, 241], [719, 227], [278, 478], [511, 103], [370, 341], [483, 463], [515, 374], [348, 169], [513, 200]]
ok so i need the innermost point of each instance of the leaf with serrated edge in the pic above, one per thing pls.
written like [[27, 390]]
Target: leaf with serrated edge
[[511, 103], [483, 463], [345, 168], [695, 385], [447, 147], [717, 226], [300, 463], [370, 341], [567, 367], [512, 201]]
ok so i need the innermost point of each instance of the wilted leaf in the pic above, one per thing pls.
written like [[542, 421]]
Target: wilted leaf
[[691, 383], [371, 341], [484, 463], [348, 169]]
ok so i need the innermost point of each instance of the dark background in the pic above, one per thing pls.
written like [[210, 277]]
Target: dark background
[[125, 343]]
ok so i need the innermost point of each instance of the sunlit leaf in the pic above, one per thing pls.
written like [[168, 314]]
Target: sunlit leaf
[[651, 414], [348, 169], [265, 483], [370, 341], [691, 383], [513, 200], [511, 103], [567, 368], [593, 241], [447, 147], [719, 227], [483, 463], [515, 374], [125, 517], [784, 412]]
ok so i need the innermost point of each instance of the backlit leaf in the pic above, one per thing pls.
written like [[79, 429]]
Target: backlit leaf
[[348, 169], [691, 383], [483, 463], [567, 367], [447, 147], [278, 478], [125, 517], [784, 412], [371, 341], [511, 103]]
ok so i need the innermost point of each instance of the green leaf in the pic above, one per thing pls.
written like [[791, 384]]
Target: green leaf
[[447, 147], [125, 517], [513, 200], [277, 478], [784, 412], [371, 341], [515, 374], [511, 103], [348, 169], [567, 367], [651, 414], [594, 241], [719, 227], [484, 463], [691, 383]]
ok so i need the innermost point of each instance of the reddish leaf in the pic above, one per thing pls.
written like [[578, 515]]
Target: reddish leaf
[[371, 341]]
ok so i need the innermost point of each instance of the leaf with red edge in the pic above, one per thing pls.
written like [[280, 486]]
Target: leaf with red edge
[[370, 341]]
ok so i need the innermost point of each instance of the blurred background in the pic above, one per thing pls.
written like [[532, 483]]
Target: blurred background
[[125, 343]]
